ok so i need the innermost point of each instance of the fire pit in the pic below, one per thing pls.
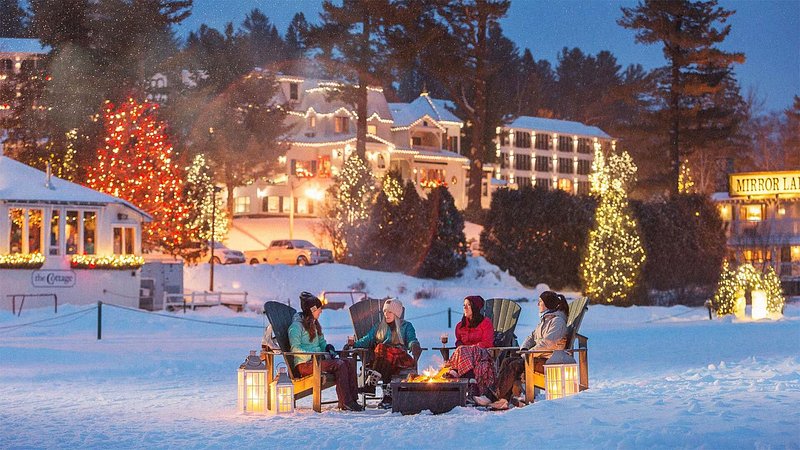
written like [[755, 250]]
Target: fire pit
[[411, 396]]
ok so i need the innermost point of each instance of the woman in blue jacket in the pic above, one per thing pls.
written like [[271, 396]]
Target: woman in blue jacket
[[391, 340], [305, 335]]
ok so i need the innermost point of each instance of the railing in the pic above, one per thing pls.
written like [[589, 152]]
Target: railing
[[196, 299], [772, 231], [22, 298]]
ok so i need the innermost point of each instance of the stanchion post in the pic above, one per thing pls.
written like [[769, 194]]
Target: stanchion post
[[99, 320], [55, 298], [449, 318]]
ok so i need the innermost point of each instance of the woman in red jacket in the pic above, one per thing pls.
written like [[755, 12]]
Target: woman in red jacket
[[474, 334]]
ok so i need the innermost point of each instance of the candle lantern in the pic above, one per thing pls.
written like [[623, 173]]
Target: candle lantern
[[560, 375], [282, 393], [739, 305], [759, 304], [252, 398]]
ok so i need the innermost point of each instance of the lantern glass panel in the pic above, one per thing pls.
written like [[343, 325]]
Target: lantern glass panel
[[252, 391], [759, 307]]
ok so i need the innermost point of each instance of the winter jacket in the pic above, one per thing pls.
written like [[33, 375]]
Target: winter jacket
[[482, 335], [300, 341], [550, 334], [406, 331]]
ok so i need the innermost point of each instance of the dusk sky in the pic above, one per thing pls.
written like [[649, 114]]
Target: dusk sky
[[767, 31]]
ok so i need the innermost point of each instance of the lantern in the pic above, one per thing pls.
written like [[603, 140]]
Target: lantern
[[560, 375], [759, 304], [282, 393], [252, 398], [739, 305]]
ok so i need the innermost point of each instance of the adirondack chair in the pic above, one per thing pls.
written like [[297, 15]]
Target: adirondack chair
[[280, 316], [504, 314], [534, 379]]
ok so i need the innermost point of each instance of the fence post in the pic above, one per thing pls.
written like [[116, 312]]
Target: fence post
[[99, 320], [449, 318], [708, 305], [55, 298]]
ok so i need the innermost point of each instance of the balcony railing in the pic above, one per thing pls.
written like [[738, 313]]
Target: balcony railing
[[772, 232]]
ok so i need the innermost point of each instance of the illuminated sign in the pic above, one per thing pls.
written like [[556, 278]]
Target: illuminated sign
[[764, 183]]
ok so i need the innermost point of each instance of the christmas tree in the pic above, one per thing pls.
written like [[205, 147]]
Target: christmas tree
[[348, 206], [447, 249], [612, 264], [199, 191], [137, 164]]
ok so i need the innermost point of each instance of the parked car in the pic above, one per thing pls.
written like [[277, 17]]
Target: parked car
[[198, 251], [290, 251]]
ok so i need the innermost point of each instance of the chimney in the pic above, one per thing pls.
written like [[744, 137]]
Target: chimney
[[48, 174]]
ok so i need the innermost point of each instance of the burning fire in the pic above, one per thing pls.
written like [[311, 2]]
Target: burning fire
[[430, 375]]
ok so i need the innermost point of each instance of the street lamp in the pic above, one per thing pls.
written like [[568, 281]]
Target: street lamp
[[214, 192]]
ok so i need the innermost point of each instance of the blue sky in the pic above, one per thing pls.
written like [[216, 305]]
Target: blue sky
[[767, 31]]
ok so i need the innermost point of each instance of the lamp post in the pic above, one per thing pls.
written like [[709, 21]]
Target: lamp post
[[214, 192]]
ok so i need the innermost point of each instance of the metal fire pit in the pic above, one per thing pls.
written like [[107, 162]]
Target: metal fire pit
[[410, 397]]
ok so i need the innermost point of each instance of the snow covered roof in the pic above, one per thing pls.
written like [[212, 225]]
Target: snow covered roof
[[315, 97], [557, 126], [23, 183], [20, 45], [430, 153], [405, 114]]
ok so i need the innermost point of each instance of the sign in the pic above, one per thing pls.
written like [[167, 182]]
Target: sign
[[53, 278], [764, 183]]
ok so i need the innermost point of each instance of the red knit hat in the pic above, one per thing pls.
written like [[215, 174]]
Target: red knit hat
[[476, 301]]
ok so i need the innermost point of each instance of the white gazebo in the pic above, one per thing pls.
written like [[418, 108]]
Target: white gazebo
[[61, 239]]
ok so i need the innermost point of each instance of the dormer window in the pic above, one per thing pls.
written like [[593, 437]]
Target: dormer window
[[341, 124], [424, 123], [416, 140], [293, 91], [312, 122]]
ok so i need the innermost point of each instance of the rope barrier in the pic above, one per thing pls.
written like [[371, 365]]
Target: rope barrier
[[11, 327], [184, 318], [669, 317]]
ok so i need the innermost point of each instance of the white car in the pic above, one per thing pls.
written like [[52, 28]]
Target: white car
[[198, 252], [290, 251]]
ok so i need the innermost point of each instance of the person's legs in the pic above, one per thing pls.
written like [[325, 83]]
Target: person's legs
[[344, 383], [510, 371]]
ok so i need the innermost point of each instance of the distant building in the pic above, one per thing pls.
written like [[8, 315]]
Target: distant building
[[420, 139], [761, 212], [535, 151], [17, 56]]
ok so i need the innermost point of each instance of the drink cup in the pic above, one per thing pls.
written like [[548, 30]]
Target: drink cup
[[444, 338], [351, 340]]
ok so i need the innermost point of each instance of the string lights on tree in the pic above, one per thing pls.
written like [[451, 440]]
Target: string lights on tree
[[612, 264], [199, 191], [137, 163], [734, 282]]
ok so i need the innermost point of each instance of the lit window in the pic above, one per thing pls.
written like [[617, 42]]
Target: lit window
[[241, 205], [312, 121], [341, 124], [752, 213], [55, 235], [124, 240], [416, 140], [565, 184], [72, 232], [372, 129], [89, 227]]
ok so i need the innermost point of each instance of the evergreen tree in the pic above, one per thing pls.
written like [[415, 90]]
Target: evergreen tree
[[199, 193], [611, 268], [137, 164], [261, 39], [700, 98], [415, 233], [13, 19], [447, 249], [347, 208]]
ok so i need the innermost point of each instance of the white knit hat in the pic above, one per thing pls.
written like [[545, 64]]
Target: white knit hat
[[395, 306]]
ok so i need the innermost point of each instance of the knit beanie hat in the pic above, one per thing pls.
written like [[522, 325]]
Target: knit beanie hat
[[476, 301], [550, 299], [309, 303], [393, 305]]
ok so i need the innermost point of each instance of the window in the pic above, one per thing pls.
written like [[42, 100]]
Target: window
[[381, 161], [271, 204], [543, 183], [565, 165], [565, 184], [752, 213], [89, 227], [542, 164], [324, 166], [241, 205], [341, 125], [522, 162], [542, 141], [28, 66], [55, 233], [585, 145], [416, 140], [564, 144], [6, 65], [523, 181], [503, 138], [304, 206], [72, 232], [312, 122], [285, 202], [124, 240], [504, 161], [293, 91], [583, 188], [372, 129], [452, 143], [304, 169], [584, 167], [522, 139]]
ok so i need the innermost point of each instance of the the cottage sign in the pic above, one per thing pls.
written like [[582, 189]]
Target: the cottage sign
[[764, 183], [53, 278]]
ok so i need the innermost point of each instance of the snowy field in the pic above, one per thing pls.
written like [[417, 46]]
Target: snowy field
[[659, 377]]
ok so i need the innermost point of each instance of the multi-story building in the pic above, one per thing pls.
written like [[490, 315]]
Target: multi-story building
[[17, 56], [761, 212], [534, 151], [420, 139]]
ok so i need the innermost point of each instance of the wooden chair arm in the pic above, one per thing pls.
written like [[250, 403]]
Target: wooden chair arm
[[300, 353], [442, 348], [538, 352], [583, 341], [500, 349]]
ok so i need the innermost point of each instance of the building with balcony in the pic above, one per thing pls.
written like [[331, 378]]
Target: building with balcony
[[18, 57], [420, 139], [761, 212], [551, 153]]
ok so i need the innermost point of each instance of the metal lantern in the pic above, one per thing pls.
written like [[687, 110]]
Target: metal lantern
[[282, 393], [560, 375], [252, 398], [759, 304]]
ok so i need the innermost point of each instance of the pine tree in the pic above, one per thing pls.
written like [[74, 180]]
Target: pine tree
[[415, 234], [137, 164], [614, 257], [447, 249], [199, 192], [347, 207]]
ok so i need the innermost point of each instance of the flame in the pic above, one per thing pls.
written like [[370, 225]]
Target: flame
[[430, 375]]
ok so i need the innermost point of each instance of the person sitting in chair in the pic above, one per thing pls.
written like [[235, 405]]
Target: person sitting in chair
[[305, 335], [474, 334], [550, 334], [391, 340]]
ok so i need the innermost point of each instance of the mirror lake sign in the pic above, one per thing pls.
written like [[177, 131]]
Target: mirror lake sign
[[53, 278], [764, 183]]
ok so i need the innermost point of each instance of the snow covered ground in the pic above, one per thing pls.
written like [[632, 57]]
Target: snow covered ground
[[660, 377]]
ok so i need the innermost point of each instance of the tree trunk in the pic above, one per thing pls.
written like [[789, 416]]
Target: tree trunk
[[477, 149], [361, 102], [675, 122], [229, 201]]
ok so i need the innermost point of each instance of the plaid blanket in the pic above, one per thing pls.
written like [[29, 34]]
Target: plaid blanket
[[472, 358]]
